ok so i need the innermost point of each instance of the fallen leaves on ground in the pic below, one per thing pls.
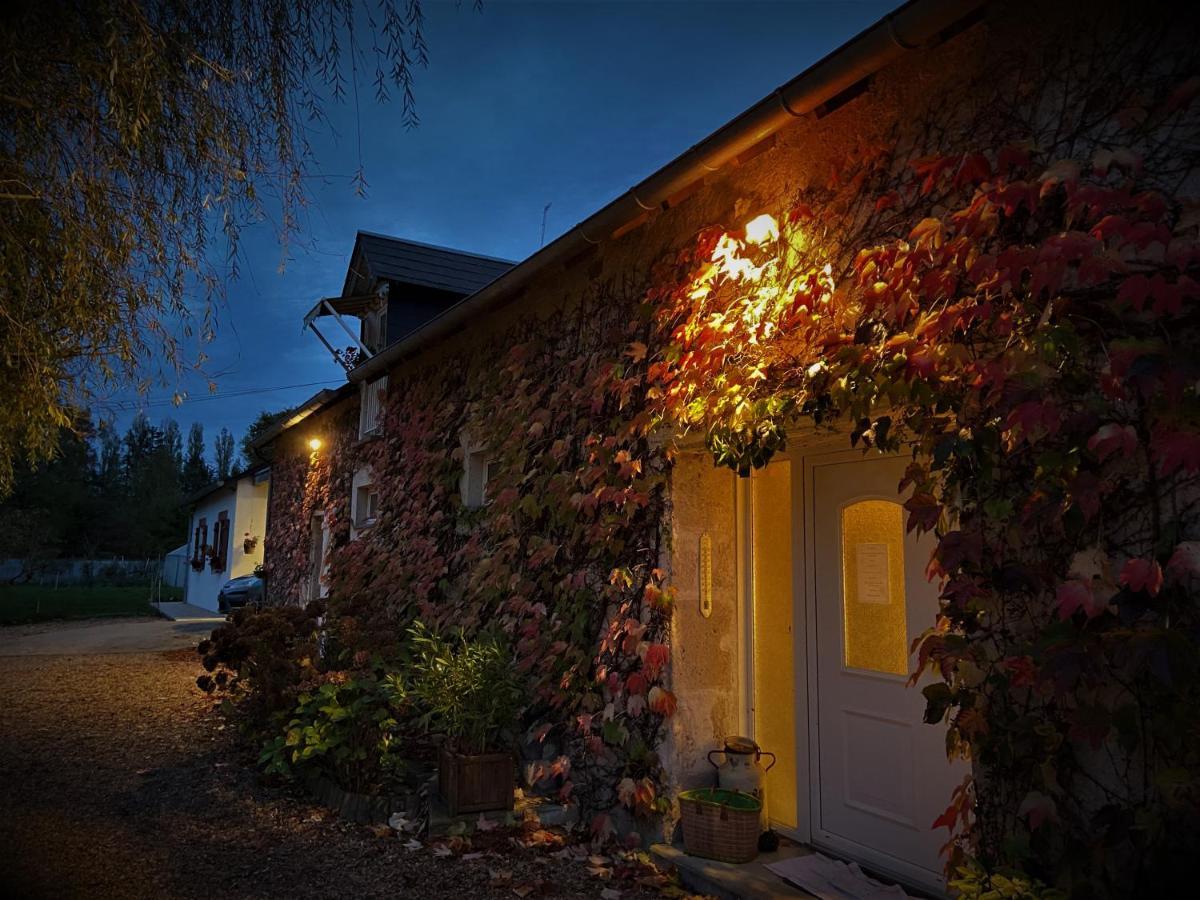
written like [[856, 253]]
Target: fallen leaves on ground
[[121, 781]]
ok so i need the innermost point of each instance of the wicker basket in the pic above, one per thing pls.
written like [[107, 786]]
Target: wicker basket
[[720, 824]]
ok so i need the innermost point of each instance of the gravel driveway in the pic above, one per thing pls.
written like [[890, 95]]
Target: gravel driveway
[[116, 780]]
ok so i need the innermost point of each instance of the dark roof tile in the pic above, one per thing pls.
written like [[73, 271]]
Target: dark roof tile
[[412, 262]]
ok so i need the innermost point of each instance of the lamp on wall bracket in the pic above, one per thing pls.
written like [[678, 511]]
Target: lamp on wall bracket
[[314, 444]]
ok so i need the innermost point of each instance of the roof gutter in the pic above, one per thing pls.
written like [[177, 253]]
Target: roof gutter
[[917, 25]]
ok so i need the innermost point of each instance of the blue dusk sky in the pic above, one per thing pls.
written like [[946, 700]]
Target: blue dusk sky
[[523, 104]]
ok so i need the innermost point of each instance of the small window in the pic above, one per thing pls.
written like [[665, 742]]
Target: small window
[[476, 468], [371, 407], [366, 506], [220, 557], [873, 601], [199, 542]]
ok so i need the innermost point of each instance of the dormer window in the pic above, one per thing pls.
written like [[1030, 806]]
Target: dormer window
[[374, 326], [393, 287]]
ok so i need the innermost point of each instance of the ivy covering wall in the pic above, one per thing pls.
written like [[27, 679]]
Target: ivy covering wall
[[564, 556], [1004, 285], [998, 280]]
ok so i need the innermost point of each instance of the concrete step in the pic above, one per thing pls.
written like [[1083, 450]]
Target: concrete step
[[730, 881], [185, 612]]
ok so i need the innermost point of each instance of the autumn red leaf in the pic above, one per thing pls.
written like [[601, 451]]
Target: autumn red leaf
[[636, 684], [975, 168], [1075, 595], [662, 701], [655, 659], [1185, 560], [1142, 575]]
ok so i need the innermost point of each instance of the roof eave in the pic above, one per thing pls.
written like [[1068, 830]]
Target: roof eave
[[314, 404]]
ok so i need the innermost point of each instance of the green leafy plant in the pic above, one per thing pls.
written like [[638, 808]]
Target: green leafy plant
[[466, 689], [974, 883], [346, 729]]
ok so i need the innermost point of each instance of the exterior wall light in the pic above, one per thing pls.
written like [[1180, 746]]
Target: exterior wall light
[[314, 444], [762, 229]]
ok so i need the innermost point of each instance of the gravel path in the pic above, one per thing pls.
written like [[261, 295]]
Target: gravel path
[[117, 780]]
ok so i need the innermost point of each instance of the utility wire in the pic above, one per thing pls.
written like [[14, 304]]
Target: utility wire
[[127, 405]]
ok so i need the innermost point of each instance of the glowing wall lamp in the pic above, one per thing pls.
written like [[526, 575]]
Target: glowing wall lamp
[[762, 229], [314, 444]]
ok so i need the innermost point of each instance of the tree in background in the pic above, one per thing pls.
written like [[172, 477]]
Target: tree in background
[[151, 519], [132, 136], [52, 509], [173, 441], [256, 429], [196, 472], [104, 495], [224, 454]]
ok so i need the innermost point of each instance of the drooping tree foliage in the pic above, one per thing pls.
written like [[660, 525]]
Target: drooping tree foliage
[[137, 139]]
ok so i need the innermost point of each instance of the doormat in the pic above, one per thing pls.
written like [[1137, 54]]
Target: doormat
[[829, 879]]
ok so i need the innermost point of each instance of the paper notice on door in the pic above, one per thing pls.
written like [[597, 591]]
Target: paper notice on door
[[871, 561]]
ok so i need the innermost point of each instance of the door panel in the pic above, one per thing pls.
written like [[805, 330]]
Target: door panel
[[881, 775]]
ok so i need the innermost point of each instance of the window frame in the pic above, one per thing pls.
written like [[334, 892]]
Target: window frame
[[362, 505], [200, 541], [220, 556]]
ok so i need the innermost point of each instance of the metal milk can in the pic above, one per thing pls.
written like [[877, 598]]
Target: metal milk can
[[742, 768]]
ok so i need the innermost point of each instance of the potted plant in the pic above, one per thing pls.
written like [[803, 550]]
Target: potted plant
[[469, 692], [249, 542]]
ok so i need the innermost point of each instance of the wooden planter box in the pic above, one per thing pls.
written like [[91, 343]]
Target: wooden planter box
[[476, 783]]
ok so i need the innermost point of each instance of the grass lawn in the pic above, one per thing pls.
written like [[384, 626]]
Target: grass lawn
[[23, 603]]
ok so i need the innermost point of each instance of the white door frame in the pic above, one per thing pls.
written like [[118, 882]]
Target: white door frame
[[810, 451], [745, 610]]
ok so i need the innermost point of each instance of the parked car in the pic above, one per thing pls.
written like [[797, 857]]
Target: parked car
[[237, 592]]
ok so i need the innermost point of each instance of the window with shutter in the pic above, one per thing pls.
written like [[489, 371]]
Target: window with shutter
[[199, 539], [220, 543]]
